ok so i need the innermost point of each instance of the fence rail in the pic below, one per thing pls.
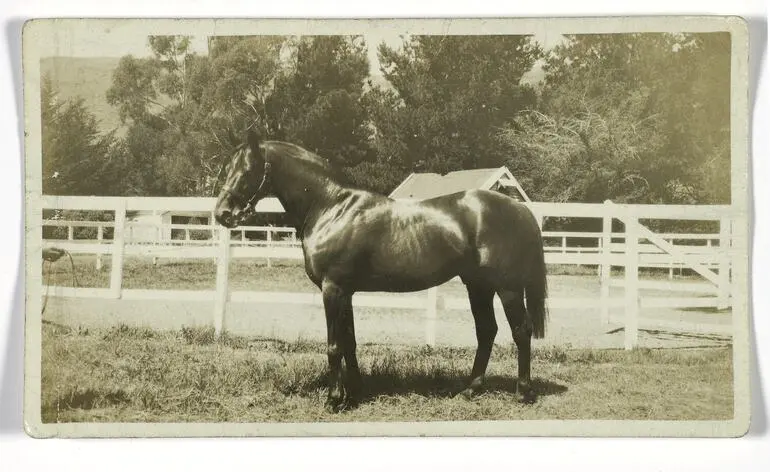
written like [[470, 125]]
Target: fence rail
[[634, 248]]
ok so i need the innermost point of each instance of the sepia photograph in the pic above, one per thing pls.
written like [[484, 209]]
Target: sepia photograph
[[495, 227]]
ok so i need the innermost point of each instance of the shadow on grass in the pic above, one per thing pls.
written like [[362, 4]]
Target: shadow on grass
[[498, 383], [667, 334], [85, 399], [673, 334], [706, 309], [438, 386]]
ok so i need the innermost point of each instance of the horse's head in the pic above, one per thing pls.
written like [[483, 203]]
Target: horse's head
[[246, 182]]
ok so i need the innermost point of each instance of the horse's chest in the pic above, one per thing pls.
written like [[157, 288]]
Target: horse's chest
[[324, 251]]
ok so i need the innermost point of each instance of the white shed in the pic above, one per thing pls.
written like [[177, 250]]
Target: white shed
[[421, 186]]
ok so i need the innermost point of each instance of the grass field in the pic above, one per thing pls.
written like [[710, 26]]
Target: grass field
[[184, 274], [251, 274], [128, 374]]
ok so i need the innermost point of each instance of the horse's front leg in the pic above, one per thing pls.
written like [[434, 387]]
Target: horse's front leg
[[336, 301], [352, 377]]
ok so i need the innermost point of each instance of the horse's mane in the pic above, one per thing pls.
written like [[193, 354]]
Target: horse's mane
[[289, 151]]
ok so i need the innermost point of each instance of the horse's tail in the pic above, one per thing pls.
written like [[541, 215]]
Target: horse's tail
[[536, 292]]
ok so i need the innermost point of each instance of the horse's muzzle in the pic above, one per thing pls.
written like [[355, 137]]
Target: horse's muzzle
[[226, 218]]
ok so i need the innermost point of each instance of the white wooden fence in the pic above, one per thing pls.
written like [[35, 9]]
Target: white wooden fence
[[711, 261]]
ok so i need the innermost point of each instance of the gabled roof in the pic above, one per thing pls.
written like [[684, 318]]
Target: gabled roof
[[428, 185]]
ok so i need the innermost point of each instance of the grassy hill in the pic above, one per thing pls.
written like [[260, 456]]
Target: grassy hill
[[87, 78]]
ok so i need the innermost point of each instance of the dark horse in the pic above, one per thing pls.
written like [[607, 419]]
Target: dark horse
[[355, 240]]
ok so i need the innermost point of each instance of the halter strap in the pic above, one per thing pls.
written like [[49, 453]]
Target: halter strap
[[249, 204], [261, 190]]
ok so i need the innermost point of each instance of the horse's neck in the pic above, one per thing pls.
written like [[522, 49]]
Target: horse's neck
[[304, 195]]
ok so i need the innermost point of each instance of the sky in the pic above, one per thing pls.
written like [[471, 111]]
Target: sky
[[118, 45]]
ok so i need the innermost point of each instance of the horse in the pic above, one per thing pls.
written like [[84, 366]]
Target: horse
[[359, 241]]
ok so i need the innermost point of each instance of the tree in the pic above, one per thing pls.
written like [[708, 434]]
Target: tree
[[642, 118], [160, 99], [77, 158], [594, 154], [242, 78], [449, 96], [318, 100], [181, 107], [49, 113]]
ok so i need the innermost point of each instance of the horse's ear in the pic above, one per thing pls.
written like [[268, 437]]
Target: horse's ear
[[252, 138]]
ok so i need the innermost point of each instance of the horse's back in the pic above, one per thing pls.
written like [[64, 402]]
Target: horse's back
[[490, 213]]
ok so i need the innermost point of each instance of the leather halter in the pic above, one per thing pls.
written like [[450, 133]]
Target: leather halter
[[249, 204]]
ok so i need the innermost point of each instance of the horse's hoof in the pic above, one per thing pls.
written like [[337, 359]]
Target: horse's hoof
[[526, 397], [340, 407], [466, 394], [348, 405], [351, 403], [333, 405]]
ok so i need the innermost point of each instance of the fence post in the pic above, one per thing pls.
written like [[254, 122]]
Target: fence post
[[538, 216], [223, 271], [158, 237], [100, 238], [431, 310], [70, 232], [632, 281], [270, 246], [605, 270], [725, 232], [118, 248], [214, 230]]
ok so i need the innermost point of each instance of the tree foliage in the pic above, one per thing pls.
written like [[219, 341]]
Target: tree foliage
[[318, 98], [78, 159], [630, 117], [449, 96], [181, 107], [160, 99]]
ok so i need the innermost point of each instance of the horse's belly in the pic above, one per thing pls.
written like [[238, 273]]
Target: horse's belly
[[398, 283], [397, 271]]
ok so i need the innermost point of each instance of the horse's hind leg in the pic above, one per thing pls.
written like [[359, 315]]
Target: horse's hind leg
[[521, 329], [481, 298]]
